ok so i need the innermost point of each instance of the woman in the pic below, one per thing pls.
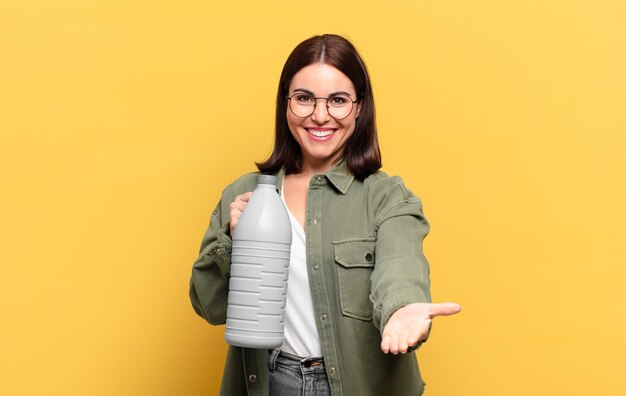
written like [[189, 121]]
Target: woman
[[358, 298]]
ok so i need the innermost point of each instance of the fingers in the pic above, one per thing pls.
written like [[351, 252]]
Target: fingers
[[236, 208], [390, 344], [417, 334], [393, 345], [402, 341], [386, 343], [245, 197], [443, 309]]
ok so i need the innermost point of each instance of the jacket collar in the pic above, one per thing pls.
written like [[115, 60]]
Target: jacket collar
[[280, 176], [339, 177]]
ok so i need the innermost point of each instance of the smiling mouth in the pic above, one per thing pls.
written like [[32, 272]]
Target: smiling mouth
[[320, 133]]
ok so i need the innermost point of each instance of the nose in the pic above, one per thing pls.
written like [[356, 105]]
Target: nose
[[320, 113]]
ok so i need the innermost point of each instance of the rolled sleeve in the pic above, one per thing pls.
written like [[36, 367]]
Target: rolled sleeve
[[401, 275]]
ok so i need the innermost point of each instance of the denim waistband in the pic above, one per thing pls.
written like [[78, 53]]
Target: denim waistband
[[296, 362]]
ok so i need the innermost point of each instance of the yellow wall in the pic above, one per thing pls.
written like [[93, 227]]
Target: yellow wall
[[122, 120]]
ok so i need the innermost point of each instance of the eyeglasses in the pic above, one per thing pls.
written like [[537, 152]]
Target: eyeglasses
[[339, 106]]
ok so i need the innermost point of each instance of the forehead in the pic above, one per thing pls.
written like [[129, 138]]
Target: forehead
[[321, 79]]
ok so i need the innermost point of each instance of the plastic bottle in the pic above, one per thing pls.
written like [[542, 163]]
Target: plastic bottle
[[259, 270]]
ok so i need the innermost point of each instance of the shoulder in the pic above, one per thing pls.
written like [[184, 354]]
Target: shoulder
[[383, 187], [388, 197], [242, 184]]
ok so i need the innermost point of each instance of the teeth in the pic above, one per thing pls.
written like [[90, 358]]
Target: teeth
[[320, 134]]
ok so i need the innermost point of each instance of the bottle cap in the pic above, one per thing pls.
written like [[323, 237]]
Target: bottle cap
[[266, 179]]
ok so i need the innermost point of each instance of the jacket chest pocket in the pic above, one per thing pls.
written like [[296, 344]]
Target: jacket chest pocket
[[355, 262]]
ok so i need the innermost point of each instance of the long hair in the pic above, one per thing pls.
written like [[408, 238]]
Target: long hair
[[361, 152]]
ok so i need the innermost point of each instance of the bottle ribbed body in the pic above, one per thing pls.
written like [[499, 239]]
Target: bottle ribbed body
[[259, 271]]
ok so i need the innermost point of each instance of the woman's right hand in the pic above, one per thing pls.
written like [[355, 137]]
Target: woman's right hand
[[236, 208]]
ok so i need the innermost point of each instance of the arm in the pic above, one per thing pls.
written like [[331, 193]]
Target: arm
[[401, 279], [401, 275], [208, 289]]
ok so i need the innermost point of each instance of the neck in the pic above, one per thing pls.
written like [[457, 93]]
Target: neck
[[311, 166]]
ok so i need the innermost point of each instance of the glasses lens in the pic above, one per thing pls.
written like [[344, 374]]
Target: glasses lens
[[302, 105], [339, 106]]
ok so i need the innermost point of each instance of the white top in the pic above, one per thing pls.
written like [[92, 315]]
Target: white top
[[301, 337]]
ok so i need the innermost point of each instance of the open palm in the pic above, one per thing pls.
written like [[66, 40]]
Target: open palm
[[411, 324]]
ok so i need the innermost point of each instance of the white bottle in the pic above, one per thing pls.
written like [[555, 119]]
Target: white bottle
[[259, 270]]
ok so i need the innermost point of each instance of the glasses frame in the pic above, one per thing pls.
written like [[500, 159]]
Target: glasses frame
[[327, 106]]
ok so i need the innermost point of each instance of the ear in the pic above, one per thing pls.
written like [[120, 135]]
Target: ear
[[358, 109]]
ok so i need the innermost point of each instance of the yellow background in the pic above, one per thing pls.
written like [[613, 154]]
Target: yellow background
[[122, 120]]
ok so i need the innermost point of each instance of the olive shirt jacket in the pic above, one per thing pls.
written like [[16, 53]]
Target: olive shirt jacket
[[365, 260]]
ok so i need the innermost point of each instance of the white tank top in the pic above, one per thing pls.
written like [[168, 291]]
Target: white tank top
[[301, 337]]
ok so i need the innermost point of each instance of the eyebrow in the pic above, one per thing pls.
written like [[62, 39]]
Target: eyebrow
[[306, 91]]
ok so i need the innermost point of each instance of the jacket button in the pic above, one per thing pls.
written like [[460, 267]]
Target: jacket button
[[324, 316], [368, 257], [316, 267], [314, 221], [332, 370], [252, 378], [218, 251]]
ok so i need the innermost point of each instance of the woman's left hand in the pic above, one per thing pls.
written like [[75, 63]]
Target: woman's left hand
[[411, 324]]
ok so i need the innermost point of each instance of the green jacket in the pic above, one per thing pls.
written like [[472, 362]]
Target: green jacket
[[365, 260]]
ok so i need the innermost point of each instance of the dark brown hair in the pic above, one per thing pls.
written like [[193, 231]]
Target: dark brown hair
[[361, 152]]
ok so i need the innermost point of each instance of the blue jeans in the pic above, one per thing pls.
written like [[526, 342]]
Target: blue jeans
[[292, 375]]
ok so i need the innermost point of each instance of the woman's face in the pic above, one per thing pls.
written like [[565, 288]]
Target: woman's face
[[321, 137]]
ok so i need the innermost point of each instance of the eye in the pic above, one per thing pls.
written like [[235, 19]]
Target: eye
[[303, 99], [339, 100]]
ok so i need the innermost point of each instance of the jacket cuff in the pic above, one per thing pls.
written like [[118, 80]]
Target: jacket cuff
[[382, 312]]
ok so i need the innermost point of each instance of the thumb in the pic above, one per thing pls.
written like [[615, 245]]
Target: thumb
[[444, 309]]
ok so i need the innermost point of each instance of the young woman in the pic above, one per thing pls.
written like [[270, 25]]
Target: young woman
[[358, 299]]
